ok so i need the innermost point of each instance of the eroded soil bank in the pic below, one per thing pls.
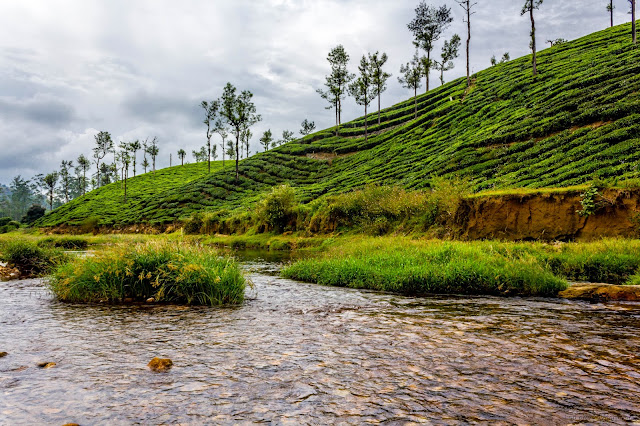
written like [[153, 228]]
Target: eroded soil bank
[[549, 216]]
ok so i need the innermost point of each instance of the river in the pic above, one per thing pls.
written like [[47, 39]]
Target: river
[[297, 353]]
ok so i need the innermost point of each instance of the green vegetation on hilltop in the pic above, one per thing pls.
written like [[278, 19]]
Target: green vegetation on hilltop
[[579, 118]]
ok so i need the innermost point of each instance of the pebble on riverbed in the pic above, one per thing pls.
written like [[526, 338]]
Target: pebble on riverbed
[[160, 364], [3, 354], [46, 364]]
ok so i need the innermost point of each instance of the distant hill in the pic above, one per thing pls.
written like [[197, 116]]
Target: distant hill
[[579, 118]]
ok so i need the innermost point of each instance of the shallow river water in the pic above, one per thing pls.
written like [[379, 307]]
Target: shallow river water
[[306, 354]]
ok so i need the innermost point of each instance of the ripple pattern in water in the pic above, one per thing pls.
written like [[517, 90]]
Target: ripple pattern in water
[[305, 354]]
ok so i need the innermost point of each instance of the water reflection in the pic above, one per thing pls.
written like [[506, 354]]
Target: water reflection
[[306, 354]]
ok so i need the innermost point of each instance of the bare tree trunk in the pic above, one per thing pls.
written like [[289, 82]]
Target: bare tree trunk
[[468, 8], [365, 124], [633, 21], [533, 40], [378, 106], [427, 70], [237, 155], [415, 101], [611, 11]]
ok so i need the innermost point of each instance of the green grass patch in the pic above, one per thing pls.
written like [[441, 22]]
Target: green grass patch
[[65, 242], [30, 258], [427, 267], [168, 272]]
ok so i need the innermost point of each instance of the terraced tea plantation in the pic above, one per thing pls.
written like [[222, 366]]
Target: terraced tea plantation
[[577, 120]]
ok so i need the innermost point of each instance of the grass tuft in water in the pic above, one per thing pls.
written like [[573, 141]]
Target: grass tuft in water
[[168, 272]]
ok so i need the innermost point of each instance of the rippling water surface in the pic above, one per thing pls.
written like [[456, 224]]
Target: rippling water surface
[[305, 354]]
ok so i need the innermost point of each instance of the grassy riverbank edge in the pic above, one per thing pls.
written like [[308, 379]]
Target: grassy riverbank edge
[[415, 267]]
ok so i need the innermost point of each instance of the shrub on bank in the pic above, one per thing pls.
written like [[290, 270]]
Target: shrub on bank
[[29, 258], [167, 272], [66, 243]]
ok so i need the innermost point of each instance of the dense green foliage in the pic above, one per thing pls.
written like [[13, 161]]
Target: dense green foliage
[[30, 258], [64, 242], [168, 272], [415, 267], [579, 118]]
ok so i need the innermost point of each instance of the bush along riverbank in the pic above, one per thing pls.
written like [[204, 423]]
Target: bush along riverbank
[[27, 258], [415, 267], [161, 271]]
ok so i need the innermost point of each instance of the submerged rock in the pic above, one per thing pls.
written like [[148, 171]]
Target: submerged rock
[[3, 354], [46, 364], [151, 300], [602, 292], [160, 364]]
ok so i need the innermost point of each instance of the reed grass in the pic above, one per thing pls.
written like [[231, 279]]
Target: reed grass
[[164, 271]]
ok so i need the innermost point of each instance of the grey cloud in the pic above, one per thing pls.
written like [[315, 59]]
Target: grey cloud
[[41, 110]]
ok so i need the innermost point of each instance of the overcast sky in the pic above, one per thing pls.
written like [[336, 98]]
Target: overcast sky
[[140, 68]]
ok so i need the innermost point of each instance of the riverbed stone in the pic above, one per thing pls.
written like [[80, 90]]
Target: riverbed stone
[[3, 354], [151, 300], [602, 292], [46, 364], [160, 364]]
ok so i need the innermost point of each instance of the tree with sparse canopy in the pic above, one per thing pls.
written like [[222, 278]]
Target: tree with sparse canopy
[[337, 82], [239, 111], [83, 164], [134, 147], [153, 150], [65, 178], [104, 145], [181, 154], [529, 7], [287, 136], [211, 112], [378, 76], [363, 91], [467, 5], [266, 140], [246, 140], [307, 127], [411, 73], [449, 53], [48, 184], [222, 130], [427, 28]]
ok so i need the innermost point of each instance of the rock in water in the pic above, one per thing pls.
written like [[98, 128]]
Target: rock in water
[[602, 292], [151, 300], [3, 354], [46, 364], [160, 364]]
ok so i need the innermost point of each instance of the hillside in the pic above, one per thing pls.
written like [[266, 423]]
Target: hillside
[[578, 119]]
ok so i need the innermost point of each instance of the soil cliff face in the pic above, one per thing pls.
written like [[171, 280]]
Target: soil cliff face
[[550, 216]]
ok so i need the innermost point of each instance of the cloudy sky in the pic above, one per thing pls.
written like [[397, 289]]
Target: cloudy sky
[[140, 68]]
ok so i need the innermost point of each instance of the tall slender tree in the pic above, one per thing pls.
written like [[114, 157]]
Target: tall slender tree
[[83, 164], [529, 7], [181, 154], [134, 147], [610, 8], [239, 111], [66, 178], [467, 6], [633, 21], [104, 145], [363, 91], [266, 140], [337, 82], [378, 76], [211, 114], [427, 28], [153, 151], [449, 53], [246, 140], [48, 184], [222, 130], [411, 73]]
